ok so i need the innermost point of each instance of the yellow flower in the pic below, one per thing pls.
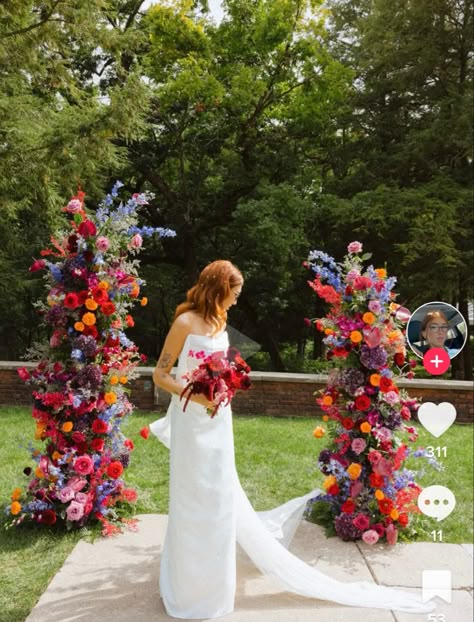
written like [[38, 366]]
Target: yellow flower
[[67, 426], [368, 317], [110, 397], [89, 319], [16, 494], [319, 432], [394, 514], [329, 481], [356, 336], [15, 508], [79, 326], [91, 304], [39, 473], [365, 427], [103, 285], [123, 379], [381, 273], [114, 380], [354, 470], [144, 301], [379, 495], [374, 380]]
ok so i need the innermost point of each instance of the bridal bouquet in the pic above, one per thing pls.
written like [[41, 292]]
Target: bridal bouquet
[[369, 493], [81, 379], [218, 377]]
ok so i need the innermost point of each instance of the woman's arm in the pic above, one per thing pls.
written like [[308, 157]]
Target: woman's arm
[[171, 350]]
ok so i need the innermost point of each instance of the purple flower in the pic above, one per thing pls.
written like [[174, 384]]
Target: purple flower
[[351, 380], [373, 358], [89, 376], [345, 527], [375, 306]]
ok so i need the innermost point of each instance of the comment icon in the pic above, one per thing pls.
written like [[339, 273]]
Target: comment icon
[[437, 502]]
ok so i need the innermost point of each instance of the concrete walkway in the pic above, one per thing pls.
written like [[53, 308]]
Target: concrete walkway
[[116, 580]]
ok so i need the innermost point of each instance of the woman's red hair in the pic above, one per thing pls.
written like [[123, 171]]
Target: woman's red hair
[[206, 296]]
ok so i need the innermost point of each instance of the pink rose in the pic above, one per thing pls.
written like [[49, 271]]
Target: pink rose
[[383, 467], [102, 243], [356, 488], [379, 528], [351, 275], [74, 206], [354, 247], [370, 536], [66, 494], [391, 533], [374, 457], [75, 511], [383, 434], [362, 522], [81, 497], [375, 306], [358, 445], [84, 465], [136, 241], [391, 397]]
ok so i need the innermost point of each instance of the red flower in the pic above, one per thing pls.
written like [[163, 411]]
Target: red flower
[[376, 480], [403, 519], [99, 426], [90, 330], [348, 506], [78, 437], [71, 300], [87, 229], [385, 505], [83, 296], [100, 295], [362, 282], [130, 495], [38, 264], [347, 423], [107, 308], [129, 321], [362, 402], [23, 373], [129, 444], [97, 444], [115, 469], [385, 384], [145, 432], [334, 489], [399, 359], [47, 517]]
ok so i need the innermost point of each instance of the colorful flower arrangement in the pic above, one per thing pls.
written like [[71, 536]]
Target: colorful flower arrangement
[[81, 380], [368, 493], [218, 377]]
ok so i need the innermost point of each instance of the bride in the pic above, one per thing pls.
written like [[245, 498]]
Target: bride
[[209, 512]]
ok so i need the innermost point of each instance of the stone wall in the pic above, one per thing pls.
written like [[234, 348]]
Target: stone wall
[[278, 395]]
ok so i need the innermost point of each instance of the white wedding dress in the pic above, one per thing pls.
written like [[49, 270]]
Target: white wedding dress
[[209, 513]]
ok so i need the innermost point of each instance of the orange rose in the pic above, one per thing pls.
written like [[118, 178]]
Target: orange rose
[[144, 301], [89, 319], [110, 397], [379, 495], [123, 379], [79, 326], [39, 473], [381, 273], [91, 304], [103, 285], [365, 427], [114, 380], [394, 514], [354, 470], [356, 336], [368, 317], [327, 400], [15, 508], [329, 481], [374, 380], [319, 432], [67, 426]]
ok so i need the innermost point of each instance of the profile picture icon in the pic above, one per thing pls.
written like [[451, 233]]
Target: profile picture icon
[[437, 325]]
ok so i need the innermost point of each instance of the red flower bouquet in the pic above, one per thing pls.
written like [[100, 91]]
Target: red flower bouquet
[[218, 377]]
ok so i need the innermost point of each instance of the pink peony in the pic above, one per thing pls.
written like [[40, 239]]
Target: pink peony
[[354, 247], [84, 465], [81, 497], [102, 243], [66, 494], [391, 533], [370, 536], [75, 511], [74, 206], [375, 306], [77, 483], [358, 445], [362, 282]]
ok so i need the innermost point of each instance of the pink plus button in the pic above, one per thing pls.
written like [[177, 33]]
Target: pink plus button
[[436, 361]]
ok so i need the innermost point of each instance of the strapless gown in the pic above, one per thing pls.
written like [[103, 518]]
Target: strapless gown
[[209, 513]]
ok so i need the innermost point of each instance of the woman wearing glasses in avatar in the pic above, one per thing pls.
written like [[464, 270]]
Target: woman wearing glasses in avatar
[[434, 333]]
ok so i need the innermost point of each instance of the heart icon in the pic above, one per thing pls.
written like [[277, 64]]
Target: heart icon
[[436, 418]]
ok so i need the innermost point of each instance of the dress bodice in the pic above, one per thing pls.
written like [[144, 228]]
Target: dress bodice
[[195, 343]]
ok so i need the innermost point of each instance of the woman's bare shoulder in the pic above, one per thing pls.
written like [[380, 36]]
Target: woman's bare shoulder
[[189, 322]]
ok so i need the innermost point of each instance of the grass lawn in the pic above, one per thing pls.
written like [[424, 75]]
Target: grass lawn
[[276, 460]]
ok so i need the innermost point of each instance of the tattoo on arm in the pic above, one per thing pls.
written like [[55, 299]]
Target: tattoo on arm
[[164, 361]]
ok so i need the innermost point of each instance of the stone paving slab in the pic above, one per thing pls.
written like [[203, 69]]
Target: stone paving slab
[[116, 580]]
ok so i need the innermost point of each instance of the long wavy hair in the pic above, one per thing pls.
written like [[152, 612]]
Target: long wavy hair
[[207, 295]]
